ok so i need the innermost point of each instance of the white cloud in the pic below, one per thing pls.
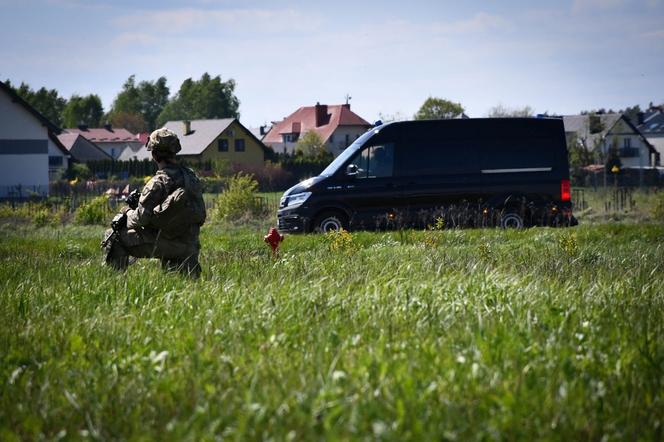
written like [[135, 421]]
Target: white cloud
[[659, 34], [191, 19], [480, 23], [580, 6], [132, 39]]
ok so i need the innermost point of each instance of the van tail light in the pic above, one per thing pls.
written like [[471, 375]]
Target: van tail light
[[565, 191]]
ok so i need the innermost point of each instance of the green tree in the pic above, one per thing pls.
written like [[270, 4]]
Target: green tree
[[47, 102], [438, 109], [147, 99], [83, 110], [579, 155], [206, 98], [311, 145], [501, 111], [133, 122], [632, 113], [595, 123]]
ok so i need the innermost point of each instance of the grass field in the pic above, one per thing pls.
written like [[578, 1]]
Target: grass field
[[411, 335]]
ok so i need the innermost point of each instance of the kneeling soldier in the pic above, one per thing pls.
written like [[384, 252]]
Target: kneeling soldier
[[167, 220]]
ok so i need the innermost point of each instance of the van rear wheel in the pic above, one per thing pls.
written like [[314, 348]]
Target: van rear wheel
[[511, 220], [329, 221]]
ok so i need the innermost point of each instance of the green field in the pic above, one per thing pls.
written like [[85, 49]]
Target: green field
[[410, 335]]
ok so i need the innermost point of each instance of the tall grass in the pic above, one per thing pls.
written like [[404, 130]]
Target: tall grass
[[478, 334]]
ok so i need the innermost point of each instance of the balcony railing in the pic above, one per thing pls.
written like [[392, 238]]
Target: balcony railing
[[628, 152]]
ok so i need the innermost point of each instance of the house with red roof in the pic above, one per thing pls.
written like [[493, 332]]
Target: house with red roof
[[111, 140], [336, 124]]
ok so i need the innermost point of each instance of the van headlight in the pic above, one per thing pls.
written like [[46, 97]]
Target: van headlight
[[296, 200]]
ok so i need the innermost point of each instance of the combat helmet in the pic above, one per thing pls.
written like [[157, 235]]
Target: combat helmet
[[164, 140]]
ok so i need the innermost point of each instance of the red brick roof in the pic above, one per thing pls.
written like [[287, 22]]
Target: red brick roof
[[143, 137], [105, 135], [322, 119]]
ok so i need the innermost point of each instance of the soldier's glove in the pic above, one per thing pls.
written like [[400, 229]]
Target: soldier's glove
[[132, 199], [119, 221]]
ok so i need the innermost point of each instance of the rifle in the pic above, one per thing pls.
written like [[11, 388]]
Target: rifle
[[119, 221]]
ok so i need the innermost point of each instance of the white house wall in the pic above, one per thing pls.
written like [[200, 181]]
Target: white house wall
[[17, 123], [23, 175], [55, 172], [337, 141], [616, 139], [24, 149], [658, 144]]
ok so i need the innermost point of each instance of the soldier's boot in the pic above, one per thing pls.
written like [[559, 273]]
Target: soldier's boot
[[117, 256], [188, 266]]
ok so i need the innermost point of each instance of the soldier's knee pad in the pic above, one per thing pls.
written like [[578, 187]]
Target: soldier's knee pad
[[116, 256]]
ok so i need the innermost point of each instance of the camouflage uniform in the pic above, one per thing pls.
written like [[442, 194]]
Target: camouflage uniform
[[140, 239]]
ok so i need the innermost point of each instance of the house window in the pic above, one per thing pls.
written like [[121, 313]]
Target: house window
[[55, 161], [239, 145], [223, 145], [290, 138], [627, 143]]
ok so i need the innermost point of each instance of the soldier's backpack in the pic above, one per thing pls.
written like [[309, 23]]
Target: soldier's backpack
[[183, 207]]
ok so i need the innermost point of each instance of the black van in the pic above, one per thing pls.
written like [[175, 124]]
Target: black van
[[509, 172]]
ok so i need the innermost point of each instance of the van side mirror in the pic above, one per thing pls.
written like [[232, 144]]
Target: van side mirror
[[351, 170]]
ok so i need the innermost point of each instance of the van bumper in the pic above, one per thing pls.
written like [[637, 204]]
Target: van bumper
[[290, 222]]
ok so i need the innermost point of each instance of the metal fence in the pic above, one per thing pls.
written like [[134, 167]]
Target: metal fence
[[69, 204], [20, 192]]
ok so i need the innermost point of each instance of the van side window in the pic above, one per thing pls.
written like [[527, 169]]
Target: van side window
[[515, 153], [421, 157], [375, 162]]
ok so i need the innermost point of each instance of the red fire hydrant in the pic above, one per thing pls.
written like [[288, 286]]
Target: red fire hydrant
[[273, 238]]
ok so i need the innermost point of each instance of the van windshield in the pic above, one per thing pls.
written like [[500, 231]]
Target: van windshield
[[349, 152]]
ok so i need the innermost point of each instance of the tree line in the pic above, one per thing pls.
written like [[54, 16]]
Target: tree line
[[139, 106]]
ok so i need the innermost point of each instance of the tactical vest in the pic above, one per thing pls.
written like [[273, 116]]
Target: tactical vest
[[183, 207]]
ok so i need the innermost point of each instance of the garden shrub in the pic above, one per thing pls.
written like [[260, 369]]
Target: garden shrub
[[44, 218], [93, 212], [239, 200], [269, 176], [340, 241], [658, 207]]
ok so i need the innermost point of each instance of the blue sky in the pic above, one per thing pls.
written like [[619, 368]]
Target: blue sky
[[560, 57]]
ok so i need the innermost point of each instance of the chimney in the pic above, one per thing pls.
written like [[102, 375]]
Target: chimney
[[263, 130], [186, 127], [347, 106], [321, 114], [82, 126], [639, 118], [108, 126]]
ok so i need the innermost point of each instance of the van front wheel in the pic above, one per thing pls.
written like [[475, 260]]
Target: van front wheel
[[511, 220], [329, 221]]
